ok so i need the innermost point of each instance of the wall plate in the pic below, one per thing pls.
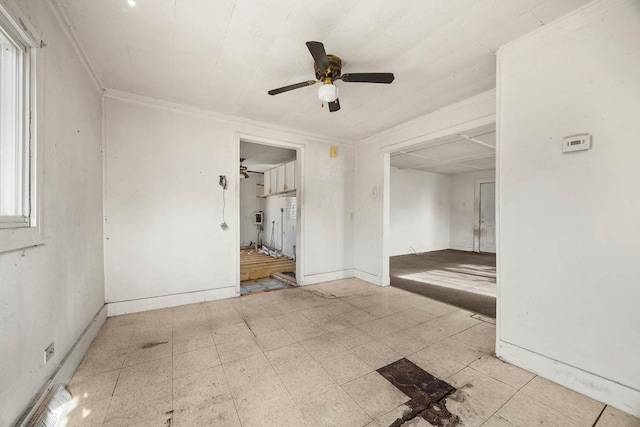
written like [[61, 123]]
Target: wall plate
[[578, 142]]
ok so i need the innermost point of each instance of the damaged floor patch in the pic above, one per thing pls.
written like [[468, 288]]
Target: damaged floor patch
[[427, 393]]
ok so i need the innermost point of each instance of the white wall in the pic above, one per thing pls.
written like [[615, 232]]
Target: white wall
[[419, 211], [51, 292], [249, 204], [164, 205], [372, 183], [462, 208], [569, 270]]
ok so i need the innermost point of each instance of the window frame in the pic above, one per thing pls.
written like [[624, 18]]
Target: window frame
[[22, 231]]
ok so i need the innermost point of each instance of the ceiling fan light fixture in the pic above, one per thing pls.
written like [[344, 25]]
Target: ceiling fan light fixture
[[328, 92]]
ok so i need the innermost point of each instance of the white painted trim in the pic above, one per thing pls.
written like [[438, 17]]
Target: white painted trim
[[612, 393], [69, 364], [167, 105], [312, 279], [371, 278], [563, 25], [389, 133], [476, 210], [117, 308], [461, 248], [61, 15], [385, 236]]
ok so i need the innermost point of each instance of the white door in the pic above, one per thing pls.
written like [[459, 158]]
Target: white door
[[488, 217]]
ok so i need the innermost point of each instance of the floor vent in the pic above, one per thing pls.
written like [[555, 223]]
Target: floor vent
[[53, 408]]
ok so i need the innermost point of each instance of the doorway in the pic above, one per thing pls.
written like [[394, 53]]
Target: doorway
[[268, 208], [484, 229]]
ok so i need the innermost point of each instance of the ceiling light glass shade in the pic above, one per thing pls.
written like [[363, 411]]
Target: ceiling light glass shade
[[328, 92]]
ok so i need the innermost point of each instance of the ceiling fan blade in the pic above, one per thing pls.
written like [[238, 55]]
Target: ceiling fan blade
[[334, 106], [291, 87], [319, 55], [368, 77]]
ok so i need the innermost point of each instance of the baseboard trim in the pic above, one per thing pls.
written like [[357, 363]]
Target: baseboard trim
[[368, 277], [68, 365], [118, 308], [612, 393], [462, 248], [312, 279]]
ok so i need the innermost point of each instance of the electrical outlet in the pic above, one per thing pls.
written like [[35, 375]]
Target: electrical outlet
[[48, 353]]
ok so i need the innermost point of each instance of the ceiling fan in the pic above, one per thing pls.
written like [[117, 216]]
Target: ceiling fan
[[328, 69], [243, 170]]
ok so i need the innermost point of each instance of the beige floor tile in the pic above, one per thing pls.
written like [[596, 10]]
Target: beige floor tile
[[339, 307], [194, 361], [292, 320], [96, 387], [435, 363], [142, 405], [497, 421], [476, 338], [317, 313], [577, 406], [379, 328], [209, 385], [345, 367], [207, 413], [305, 332], [357, 316], [612, 417], [274, 340], [403, 344], [424, 334], [333, 324], [323, 347], [333, 408], [478, 396], [95, 363], [85, 413], [251, 371], [376, 354], [151, 350], [502, 371], [523, 411], [454, 350], [452, 323], [418, 316], [418, 422], [150, 336], [264, 326], [238, 349], [375, 394], [227, 334], [183, 345], [304, 378], [227, 318], [144, 375], [352, 337], [390, 417], [288, 354]]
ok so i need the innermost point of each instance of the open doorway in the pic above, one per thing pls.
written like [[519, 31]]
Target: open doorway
[[268, 217], [442, 219]]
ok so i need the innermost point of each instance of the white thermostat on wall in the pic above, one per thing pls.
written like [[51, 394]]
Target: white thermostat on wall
[[576, 143]]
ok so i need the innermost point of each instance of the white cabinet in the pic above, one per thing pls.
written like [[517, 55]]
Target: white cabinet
[[267, 183], [273, 187], [281, 179], [290, 176]]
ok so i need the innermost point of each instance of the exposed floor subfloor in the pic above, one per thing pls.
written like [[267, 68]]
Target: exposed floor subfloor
[[254, 265], [464, 279], [308, 356]]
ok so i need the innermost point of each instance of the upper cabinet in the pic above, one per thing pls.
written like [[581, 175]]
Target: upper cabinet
[[281, 179], [290, 176]]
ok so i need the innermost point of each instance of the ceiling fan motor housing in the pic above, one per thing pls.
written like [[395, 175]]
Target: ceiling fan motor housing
[[334, 70]]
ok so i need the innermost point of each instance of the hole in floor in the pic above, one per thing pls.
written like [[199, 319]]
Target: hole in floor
[[427, 393]]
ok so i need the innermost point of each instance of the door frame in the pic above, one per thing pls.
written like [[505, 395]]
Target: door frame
[[476, 211], [300, 222]]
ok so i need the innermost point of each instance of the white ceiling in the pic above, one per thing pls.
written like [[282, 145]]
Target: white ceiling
[[224, 55], [261, 158], [469, 151]]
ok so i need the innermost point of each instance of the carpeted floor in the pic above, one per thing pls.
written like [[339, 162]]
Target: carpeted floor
[[464, 279]]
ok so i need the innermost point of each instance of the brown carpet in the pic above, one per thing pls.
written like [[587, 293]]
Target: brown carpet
[[454, 268]]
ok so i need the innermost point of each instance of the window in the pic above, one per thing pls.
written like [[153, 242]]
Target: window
[[17, 149], [14, 144]]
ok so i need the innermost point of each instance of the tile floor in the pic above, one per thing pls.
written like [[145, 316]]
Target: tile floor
[[307, 357]]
